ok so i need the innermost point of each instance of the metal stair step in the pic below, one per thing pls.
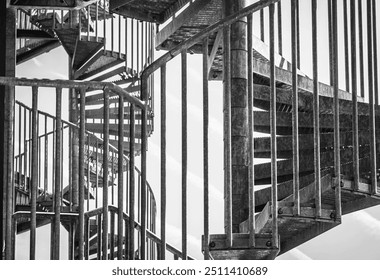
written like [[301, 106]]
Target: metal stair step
[[305, 122], [113, 129]]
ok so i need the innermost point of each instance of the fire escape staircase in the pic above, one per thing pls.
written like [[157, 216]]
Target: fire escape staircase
[[94, 63]]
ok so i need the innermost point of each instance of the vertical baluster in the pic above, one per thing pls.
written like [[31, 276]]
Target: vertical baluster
[[163, 162], [33, 191], [71, 18], [97, 21], [86, 238], [126, 45], [295, 141], [336, 110], [113, 178], [88, 22], [46, 159], [227, 135], [346, 45], [19, 146], [97, 173], [112, 236], [205, 151], [184, 153], [138, 48], [361, 48], [146, 44], [251, 175], [132, 46], [371, 93], [317, 147], [355, 120], [105, 173], [25, 152], [88, 172], [262, 25], [279, 19], [132, 184], [120, 176], [99, 237], [273, 128], [143, 177], [81, 174], [330, 32], [375, 50], [297, 11], [119, 36], [62, 145], [104, 23], [112, 33]]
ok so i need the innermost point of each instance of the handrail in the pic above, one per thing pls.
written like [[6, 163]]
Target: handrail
[[203, 33], [89, 133], [11, 81]]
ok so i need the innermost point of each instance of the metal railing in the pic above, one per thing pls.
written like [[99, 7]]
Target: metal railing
[[297, 83], [40, 144]]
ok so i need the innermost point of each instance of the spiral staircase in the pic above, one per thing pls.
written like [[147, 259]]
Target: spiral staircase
[[275, 224]]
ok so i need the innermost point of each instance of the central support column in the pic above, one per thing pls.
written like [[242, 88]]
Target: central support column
[[239, 114], [7, 107]]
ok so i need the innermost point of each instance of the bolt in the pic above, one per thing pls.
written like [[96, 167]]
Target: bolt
[[280, 211], [332, 215], [212, 244], [269, 243]]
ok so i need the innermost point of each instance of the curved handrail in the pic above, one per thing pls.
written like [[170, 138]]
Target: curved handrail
[[91, 134], [202, 34]]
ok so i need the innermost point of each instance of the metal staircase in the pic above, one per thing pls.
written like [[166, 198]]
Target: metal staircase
[[320, 150]]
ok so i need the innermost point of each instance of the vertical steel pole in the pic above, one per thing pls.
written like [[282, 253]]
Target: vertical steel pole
[[295, 58], [336, 110], [33, 192], [279, 24], [317, 144], [371, 93], [346, 44], [251, 149], [163, 163], [205, 151], [361, 48], [106, 126], [355, 120], [273, 127], [132, 183], [81, 174], [227, 135], [120, 176], [57, 179], [184, 153], [144, 139], [375, 52]]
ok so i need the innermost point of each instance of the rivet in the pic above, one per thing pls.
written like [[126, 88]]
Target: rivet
[[269, 243], [212, 244]]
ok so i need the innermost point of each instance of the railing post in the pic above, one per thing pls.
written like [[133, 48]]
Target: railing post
[[335, 64], [120, 176], [295, 59], [273, 129], [57, 180], [205, 152], [82, 139], [184, 154], [131, 247], [7, 99], [163, 163], [106, 125], [317, 148]]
